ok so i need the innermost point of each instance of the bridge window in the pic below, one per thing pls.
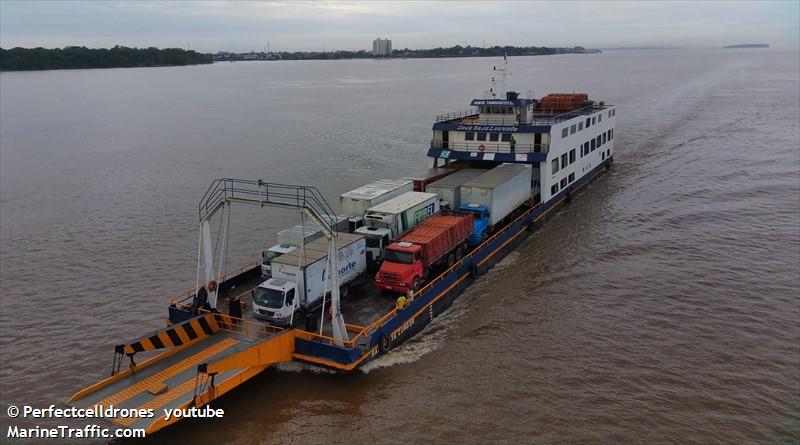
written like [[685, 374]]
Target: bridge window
[[494, 137], [554, 166], [571, 177], [604, 138], [481, 136], [580, 126], [588, 122], [469, 136], [593, 120], [599, 141], [599, 118], [572, 129], [506, 137], [565, 132], [572, 156]]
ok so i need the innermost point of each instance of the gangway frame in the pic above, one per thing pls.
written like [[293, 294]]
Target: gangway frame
[[224, 192]]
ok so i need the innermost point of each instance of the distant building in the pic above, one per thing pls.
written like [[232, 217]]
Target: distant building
[[381, 47]]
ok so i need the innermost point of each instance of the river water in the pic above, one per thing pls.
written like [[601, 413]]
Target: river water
[[660, 306]]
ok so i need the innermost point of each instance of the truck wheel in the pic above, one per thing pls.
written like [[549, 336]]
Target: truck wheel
[[416, 284], [385, 344], [450, 259], [459, 253]]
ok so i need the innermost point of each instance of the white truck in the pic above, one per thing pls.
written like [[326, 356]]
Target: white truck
[[387, 221], [301, 278], [354, 203]]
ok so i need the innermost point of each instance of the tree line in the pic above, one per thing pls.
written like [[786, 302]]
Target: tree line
[[74, 57]]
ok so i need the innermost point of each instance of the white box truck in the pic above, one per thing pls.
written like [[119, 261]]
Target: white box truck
[[449, 187], [387, 221], [501, 190], [300, 278], [355, 202]]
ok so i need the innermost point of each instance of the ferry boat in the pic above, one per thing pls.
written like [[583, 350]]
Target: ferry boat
[[214, 342]]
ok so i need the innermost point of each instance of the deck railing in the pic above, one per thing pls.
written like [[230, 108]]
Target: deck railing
[[491, 147], [456, 115]]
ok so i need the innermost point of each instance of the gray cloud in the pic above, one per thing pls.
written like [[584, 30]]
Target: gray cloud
[[244, 26]]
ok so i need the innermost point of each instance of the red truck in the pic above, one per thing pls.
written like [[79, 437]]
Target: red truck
[[435, 240]]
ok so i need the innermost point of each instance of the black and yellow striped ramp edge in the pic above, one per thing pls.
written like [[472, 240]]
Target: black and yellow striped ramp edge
[[168, 382]]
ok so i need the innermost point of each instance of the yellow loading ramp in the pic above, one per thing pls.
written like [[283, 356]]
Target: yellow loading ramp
[[223, 354]]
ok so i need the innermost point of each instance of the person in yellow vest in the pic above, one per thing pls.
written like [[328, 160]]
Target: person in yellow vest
[[401, 302]]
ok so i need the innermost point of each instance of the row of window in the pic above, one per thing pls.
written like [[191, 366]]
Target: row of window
[[493, 137], [564, 182], [597, 142], [566, 159], [612, 112], [572, 129]]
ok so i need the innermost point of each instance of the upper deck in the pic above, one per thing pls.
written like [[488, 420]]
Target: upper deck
[[509, 130]]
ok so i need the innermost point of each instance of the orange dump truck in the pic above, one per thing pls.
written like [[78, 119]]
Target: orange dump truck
[[438, 239]]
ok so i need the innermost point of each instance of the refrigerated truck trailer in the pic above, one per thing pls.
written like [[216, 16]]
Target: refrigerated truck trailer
[[356, 202], [386, 221], [449, 187], [501, 189]]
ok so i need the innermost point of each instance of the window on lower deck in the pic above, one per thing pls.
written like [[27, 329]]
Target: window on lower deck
[[571, 177], [563, 183], [481, 136], [554, 189], [469, 136], [494, 137], [506, 137], [563, 160], [593, 147]]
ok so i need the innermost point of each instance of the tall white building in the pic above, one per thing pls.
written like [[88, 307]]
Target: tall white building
[[381, 47]]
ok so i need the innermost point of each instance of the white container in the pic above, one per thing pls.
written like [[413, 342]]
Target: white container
[[307, 268], [402, 213], [298, 235], [449, 187], [501, 189], [356, 202]]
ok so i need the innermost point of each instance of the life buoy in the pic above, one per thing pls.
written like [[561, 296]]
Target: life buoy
[[481, 147]]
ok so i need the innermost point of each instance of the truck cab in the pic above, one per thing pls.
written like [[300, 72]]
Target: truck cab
[[402, 268], [270, 254], [275, 301], [378, 238], [480, 223]]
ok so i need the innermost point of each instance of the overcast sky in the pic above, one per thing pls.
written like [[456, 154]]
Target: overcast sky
[[316, 26]]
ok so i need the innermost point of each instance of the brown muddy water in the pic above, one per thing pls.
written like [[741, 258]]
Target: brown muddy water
[[661, 306]]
